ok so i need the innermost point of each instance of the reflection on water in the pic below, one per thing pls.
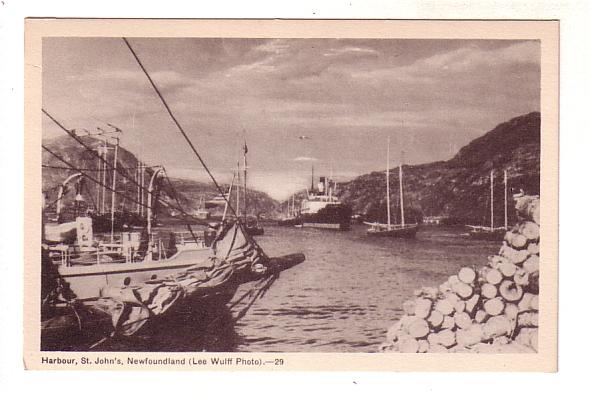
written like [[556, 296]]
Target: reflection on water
[[350, 288], [341, 299]]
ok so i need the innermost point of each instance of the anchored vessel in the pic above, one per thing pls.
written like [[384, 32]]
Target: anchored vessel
[[491, 232], [393, 230], [321, 209], [292, 218]]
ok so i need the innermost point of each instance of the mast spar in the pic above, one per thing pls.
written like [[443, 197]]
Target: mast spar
[[114, 191], [387, 188], [401, 190], [505, 201], [492, 199]]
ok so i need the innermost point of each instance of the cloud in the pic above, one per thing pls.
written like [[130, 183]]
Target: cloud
[[305, 159]]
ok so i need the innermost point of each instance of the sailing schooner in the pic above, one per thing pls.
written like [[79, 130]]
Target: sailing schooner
[[491, 232], [393, 230]]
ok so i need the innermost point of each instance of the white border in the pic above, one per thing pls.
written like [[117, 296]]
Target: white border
[[573, 206]]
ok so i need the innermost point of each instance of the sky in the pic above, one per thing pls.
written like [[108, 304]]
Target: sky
[[330, 103]]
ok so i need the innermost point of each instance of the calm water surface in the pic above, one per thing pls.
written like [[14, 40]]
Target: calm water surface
[[350, 288]]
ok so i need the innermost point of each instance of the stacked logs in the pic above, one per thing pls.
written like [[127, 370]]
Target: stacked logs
[[494, 308]]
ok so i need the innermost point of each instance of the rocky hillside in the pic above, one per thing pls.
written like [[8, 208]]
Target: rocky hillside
[[460, 187], [189, 192]]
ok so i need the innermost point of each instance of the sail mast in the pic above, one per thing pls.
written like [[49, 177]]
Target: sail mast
[[114, 191], [401, 190], [387, 188], [311, 177], [245, 177], [492, 199], [238, 193], [505, 201], [104, 177]]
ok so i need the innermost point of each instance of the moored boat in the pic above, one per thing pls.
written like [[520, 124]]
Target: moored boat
[[402, 230], [481, 232], [322, 209]]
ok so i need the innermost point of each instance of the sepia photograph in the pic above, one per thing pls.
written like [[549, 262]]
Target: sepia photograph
[[258, 193]]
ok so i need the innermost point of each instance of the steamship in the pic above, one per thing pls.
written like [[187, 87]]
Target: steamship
[[321, 209]]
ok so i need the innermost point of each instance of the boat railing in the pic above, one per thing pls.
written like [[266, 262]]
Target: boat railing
[[126, 247]]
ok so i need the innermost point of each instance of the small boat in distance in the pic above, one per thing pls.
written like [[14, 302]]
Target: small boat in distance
[[479, 232], [292, 217], [402, 230]]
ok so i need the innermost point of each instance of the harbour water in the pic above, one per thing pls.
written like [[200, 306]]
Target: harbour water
[[351, 286], [343, 298]]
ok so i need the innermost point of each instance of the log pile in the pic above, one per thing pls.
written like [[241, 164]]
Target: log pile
[[491, 309]]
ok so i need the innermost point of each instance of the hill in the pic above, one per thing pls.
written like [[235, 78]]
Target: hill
[[189, 192], [459, 188]]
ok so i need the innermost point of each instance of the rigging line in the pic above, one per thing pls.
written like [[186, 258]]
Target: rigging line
[[106, 186], [179, 126], [175, 196], [90, 149], [92, 169]]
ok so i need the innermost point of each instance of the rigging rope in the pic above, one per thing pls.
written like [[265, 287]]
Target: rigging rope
[[88, 148], [108, 187], [188, 140]]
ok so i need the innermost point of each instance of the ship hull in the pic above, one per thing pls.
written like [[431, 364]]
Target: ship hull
[[336, 217], [289, 222], [86, 282], [408, 232], [487, 235], [88, 326]]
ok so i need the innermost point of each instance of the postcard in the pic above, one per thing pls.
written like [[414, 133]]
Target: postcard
[[314, 195]]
